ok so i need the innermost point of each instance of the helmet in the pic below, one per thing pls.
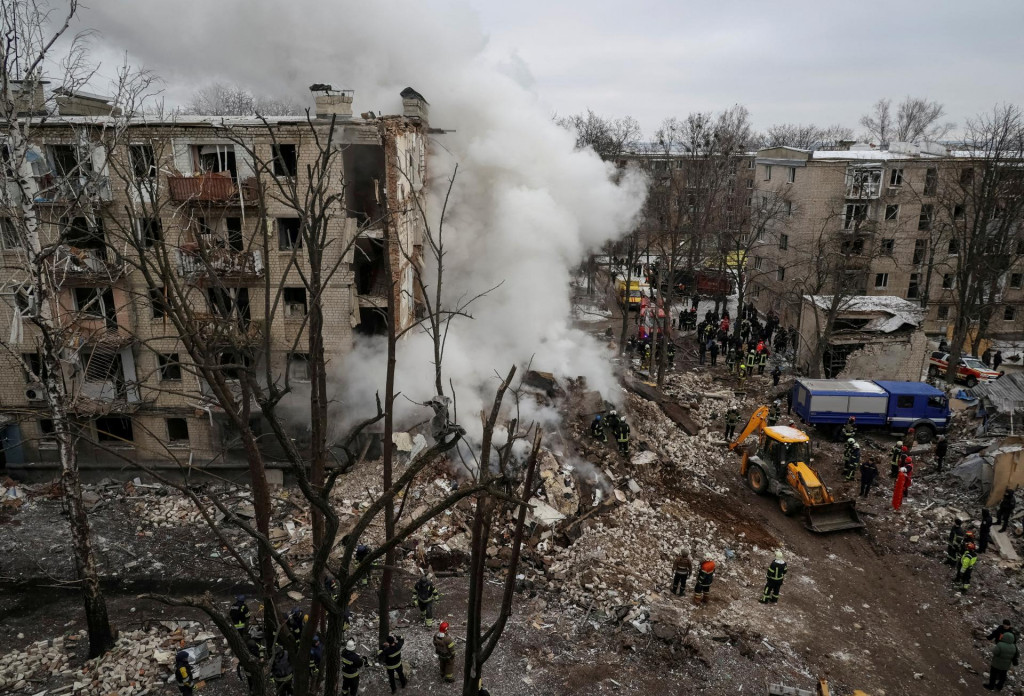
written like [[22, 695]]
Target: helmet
[[851, 441], [853, 419], [958, 521], [684, 553], [181, 658], [597, 417], [909, 460], [443, 627], [904, 449], [707, 566], [971, 547], [612, 413], [856, 445], [778, 556], [969, 533], [239, 597], [777, 402], [351, 645]]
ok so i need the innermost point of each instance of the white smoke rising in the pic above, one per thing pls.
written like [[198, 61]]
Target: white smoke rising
[[526, 207]]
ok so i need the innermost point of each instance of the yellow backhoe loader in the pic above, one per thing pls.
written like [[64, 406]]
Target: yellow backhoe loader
[[780, 465]]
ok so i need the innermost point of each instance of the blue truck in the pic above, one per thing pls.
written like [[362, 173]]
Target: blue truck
[[828, 403]]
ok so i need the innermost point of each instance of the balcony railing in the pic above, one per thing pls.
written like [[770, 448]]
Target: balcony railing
[[228, 331], [226, 264], [86, 188], [75, 266], [212, 188]]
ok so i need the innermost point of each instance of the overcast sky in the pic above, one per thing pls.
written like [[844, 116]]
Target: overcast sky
[[788, 61]]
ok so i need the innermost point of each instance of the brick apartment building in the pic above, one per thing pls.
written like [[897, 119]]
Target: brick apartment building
[[132, 389], [885, 211]]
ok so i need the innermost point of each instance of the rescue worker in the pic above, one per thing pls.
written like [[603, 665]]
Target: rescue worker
[[296, 621], [426, 595], [316, 654], [955, 542], [965, 568], [742, 371], [1004, 655], [622, 437], [762, 360], [444, 648], [183, 673], [852, 461], [681, 569], [390, 654], [908, 467], [776, 573], [868, 474], [730, 359], [254, 644], [899, 455], [774, 413], [941, 448], [281, 672], [645, 362], [985, 536], [1006, 506], [705, 576], [612, 420], [240, 614], [351, 663], [751, 360], [909, 439], [850, 429], [671, 354], [732, 417], [702, 348], [776, 376], [597, 429], [713, 352]]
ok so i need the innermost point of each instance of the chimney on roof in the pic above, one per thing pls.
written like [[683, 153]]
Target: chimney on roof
[[28, 97], [414, 105], [332, 102], [71, 103]]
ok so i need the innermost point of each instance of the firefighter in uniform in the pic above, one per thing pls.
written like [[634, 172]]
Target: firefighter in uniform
[[240, 614], [597, 429], [351, 663], [681, 569], [281, 672], [955, 543], [444, 648], [622, 436], [316, 655], [732, 417], [426, 594], [762, 360], [894, 459], [850, 429], [183, 673], [390, 654], [776, 573], [851, 460], [965, 568], [773, 413], [611, 421], [705, 576]]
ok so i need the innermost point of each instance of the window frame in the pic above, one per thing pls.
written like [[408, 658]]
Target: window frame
[[895, 208], [178, 441], [288, 243], [167, 364], [885, 281]]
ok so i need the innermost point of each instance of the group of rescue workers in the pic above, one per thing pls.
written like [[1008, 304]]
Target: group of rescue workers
[[389, 653], [682, 567], [616, 424]]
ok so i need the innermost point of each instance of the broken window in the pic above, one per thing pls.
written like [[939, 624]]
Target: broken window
[[64, 159], [364, 182], [158, 302], [177, 431], [881, 281], [895, 178], [924, 222], [216, 159], [235, 239], [285, 159], [294, 303], [783, 241], [1009, 313], [233, 363], [47, 429], [298, 367], [9, 238], [1016, 279], [853, 247], [887, 246], [169, 365], [229, 303], [967, 176], [954, 247], [372, 322], [959, 211], [920, 250], [368, 259], [767, 172], [947, 281], [914, 289], [931, 181], [942, 313], [151, 230], [854, 214], [289, 234], [863, 182], [143, 161], [96, 302], [36, 368], [892, 212], [80, 233], [114, 429]]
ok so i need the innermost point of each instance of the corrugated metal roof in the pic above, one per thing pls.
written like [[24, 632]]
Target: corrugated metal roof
[[1005, 393]]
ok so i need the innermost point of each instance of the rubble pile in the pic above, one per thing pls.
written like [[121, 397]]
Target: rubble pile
[[167, 511], [141, 660]]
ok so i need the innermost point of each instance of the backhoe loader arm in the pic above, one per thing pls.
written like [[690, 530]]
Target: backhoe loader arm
[[756, 422]]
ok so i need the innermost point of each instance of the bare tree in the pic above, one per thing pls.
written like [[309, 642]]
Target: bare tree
[[221, 99], [608, 137], [915, 119], [805, 137]]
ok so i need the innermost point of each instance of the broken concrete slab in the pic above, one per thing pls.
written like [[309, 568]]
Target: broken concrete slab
[[1005, 547], [544, 513], [545, 381]]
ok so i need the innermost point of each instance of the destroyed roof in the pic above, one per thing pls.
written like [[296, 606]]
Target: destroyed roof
[[895, 311], [1005, 393], [410, 93]]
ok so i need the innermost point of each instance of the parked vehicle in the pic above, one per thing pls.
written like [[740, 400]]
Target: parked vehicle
[[636, 293], [829, 403], [706, 282], [970, 372]]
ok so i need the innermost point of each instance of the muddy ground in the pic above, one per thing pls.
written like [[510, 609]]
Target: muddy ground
[[872, 610]]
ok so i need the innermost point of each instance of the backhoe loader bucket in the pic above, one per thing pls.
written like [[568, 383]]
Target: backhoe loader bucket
[[833, 517]]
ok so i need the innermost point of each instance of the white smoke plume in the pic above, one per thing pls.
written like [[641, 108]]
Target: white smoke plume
[[526, 207]]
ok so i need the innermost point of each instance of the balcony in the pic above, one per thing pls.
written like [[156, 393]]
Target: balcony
[[212, 189], [59, 190], [198, 262], [71, 266], [216, 330], [101, 334]]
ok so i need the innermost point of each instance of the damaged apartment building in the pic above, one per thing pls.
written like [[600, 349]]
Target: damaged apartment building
[[864, 221], [132, 388]]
